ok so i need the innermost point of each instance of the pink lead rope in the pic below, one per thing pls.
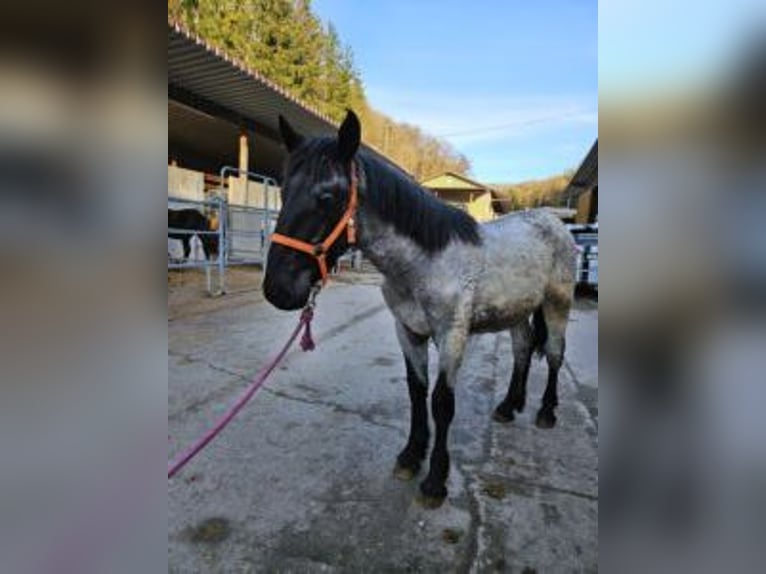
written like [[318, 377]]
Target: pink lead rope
[[307, 344]]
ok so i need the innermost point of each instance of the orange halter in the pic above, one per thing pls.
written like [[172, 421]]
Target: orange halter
[[319, 251]]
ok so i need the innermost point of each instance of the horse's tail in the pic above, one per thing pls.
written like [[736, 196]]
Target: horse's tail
[[539, 332]]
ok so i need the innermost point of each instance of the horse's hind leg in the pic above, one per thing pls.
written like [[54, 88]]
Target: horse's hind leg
[[415, 349], [521, 335], [556, 314]]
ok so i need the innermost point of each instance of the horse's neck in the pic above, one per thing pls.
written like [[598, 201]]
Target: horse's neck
[[391, 253], [394, 254]]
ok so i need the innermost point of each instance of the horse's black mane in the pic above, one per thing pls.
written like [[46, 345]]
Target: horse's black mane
[[414, 212], [394, 197]]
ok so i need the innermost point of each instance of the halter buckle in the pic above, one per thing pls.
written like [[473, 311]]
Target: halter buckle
[[318, 250]]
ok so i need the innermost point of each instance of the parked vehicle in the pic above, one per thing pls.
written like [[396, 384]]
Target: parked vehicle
[[586, 239]]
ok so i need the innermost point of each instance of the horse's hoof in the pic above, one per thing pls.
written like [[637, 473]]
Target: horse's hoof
[[502, 417], [432, 494], [545, 420], [431, 502], [404, 473], [518, 403]]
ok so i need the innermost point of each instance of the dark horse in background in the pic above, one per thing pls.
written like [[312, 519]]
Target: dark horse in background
[[446, 277], [192, 220]]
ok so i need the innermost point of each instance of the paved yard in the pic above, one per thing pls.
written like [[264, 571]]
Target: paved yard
[[301, 481]]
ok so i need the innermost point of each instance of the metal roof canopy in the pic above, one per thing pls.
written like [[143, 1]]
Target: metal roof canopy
[[212, 98], [586, 176]]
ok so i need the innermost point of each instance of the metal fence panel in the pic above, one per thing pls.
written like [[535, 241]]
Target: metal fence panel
[[243, 231], [249, 232], [249, 227], [211, 208]]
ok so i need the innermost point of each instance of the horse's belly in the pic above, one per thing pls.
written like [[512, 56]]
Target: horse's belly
[[491, 320], [500, 306]]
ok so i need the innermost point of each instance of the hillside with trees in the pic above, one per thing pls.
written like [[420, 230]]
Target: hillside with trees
[[286, 42], [534, 193]]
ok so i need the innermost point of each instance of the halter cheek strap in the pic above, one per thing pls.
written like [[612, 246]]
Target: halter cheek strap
[[319, 250]]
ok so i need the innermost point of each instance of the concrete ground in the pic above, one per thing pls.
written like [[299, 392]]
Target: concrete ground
[[301, 481]]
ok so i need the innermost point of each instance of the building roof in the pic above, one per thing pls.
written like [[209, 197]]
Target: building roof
[[451, 181], [586, 176], [212, 97]]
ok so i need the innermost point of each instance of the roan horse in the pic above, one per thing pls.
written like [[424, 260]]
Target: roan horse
[[446, 277], [192, 220]]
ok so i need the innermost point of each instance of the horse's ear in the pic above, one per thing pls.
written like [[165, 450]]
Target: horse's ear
[[290, 137], [349, 136]]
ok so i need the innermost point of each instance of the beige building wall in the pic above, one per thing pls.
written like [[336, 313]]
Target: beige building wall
[[189, 184], [478, 204], [253, 194], [186, 183], [481, 207], [584, 207], [467, 195]]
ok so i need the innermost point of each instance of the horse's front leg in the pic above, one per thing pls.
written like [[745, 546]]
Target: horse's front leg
[[415, 349], [187, 246], [451, 346]]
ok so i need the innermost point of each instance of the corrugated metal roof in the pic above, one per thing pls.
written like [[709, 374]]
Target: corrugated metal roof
[[206, 79], [202, 70], [586, 176]]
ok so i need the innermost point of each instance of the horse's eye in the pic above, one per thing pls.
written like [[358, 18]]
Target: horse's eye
[[325, 200]]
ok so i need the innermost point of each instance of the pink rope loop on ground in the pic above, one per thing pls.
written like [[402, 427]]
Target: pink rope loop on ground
[[306, 343]]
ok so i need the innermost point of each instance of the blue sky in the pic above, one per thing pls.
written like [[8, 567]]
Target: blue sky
[[651, 47], [511, 84]]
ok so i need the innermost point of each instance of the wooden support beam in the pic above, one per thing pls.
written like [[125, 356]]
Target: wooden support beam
[[244, 155]]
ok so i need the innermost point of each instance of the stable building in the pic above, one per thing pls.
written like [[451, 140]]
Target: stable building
[[222, 114], [582, 191], [463, 193], [224, 141]]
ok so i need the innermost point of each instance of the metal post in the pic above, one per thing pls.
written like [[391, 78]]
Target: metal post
[[266, 222], [222, 215], [227, 239]]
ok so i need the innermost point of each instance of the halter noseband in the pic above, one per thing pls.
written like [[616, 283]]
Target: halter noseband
[[319, 250]]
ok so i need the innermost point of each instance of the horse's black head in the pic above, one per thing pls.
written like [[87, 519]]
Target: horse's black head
[[315, 193]]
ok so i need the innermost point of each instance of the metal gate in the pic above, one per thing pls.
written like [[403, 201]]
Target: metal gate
[[251, 215], [213, 208], [246, 207]]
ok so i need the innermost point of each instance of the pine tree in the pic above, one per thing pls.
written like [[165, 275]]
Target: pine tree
[[287, 43]]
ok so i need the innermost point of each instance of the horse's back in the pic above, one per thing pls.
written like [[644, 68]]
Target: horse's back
[[533, 236], [528, 256], [541, 218]]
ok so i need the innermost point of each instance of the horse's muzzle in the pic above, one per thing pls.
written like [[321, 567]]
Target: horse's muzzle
[[287, 295]]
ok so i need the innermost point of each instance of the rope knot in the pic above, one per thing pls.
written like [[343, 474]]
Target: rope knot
[[307, 342]]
